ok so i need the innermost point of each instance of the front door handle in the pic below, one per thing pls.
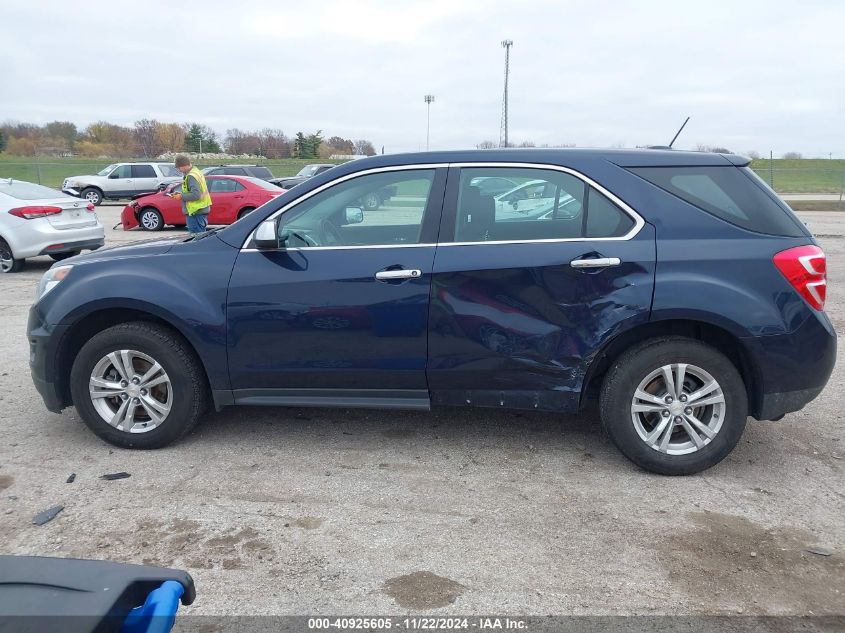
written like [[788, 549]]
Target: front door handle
[[597, 262], [404, 273]]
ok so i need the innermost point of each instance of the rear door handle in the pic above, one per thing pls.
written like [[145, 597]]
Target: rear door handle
[[387, 275], [597, 262]]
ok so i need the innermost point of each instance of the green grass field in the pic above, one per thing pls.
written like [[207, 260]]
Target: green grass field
[[789, 176], [54, 170]]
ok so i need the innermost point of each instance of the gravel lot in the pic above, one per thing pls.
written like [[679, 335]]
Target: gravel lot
[[312, 511]]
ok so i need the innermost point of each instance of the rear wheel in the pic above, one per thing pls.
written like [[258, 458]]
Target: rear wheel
[[674, 406], [371, 201], [57, 257], [138, 385], [8, 263], [92, 195], [245, 212], [150, 219]]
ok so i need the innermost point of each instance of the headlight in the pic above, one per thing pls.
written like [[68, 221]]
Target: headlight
[[51, 279]]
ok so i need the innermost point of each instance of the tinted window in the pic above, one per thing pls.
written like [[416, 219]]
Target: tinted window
[[143, 171], [604, 218], [384, 208], [542, 204], [263, 184], [261, 172], [124, 171], [727, 193], [224, 185], [28, 191], [232, 171]]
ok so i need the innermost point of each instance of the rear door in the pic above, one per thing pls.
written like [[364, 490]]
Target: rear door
[[145, 177], [520, 306]]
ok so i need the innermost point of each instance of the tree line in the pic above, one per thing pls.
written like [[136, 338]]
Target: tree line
[[150, 138]]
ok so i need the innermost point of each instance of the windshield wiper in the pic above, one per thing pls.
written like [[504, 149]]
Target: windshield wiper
[[205, 234]]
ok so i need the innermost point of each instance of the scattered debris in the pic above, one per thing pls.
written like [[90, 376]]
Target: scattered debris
[[113, 476], [47, 515], [820, 550], [71, 479]]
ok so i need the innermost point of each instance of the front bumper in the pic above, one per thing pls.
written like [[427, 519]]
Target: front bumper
[[71, 191], [129, 218], [43, 348]]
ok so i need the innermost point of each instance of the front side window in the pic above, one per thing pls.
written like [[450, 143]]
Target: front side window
[[123, 171], [106, 171], [541, 204], [377, 209]]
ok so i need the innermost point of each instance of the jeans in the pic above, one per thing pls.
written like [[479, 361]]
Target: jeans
[[197, 223]]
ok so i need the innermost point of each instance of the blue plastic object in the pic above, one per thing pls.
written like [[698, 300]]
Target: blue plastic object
[[158, 613]]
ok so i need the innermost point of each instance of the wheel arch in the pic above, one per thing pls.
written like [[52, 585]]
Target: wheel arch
[[722, 339], [91, 323]]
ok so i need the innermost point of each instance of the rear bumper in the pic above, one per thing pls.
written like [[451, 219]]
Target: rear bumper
[[791, 369], [70, 247]]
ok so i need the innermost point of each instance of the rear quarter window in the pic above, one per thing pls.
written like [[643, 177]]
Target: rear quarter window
[[728, 193]]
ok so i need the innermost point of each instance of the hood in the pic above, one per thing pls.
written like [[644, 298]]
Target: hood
[[144, 248]]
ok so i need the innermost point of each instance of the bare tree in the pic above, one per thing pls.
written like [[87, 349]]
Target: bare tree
[[486, 145], [753, 155], [793, 155], [364, 146], [145, 137]]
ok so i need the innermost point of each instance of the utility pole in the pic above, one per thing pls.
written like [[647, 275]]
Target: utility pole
[[503, 133], [428, 100]]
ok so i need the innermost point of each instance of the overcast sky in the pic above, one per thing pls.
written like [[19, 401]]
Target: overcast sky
[[752, 75]]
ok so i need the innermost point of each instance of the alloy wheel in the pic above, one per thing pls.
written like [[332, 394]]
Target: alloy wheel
[[131, 391], [678, 409]]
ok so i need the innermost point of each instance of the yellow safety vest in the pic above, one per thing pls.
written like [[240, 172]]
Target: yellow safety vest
[[193, 206]]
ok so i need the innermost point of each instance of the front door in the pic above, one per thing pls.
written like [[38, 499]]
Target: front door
[[121, 183], [521, 303], [338, 313]]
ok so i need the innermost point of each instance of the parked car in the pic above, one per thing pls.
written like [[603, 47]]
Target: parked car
[[121, 180], [36, 220], [256, 171], [493, 185], [232, 197], [687, 297], [309, 171]]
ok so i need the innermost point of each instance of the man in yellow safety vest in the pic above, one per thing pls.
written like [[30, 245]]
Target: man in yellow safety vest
[[196, 201]]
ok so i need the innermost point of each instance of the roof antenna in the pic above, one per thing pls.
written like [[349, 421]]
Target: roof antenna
[[678, 134]]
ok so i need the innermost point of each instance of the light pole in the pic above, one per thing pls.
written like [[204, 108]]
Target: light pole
[[503, 136], [428, 100]]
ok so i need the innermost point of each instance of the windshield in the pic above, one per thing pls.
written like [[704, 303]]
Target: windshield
[[308, 170], [107, 170], [28, 190], [263, 184]]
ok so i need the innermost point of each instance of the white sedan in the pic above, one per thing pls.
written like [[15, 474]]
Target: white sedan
[[36, 220]]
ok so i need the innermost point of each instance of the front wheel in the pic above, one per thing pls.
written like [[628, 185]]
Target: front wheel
[[371, 201], [674, 406], [138, 385], [150, 219], [8, 263], [92, 195], [245, 212]]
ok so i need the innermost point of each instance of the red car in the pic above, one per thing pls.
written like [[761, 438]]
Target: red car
[[232, 197]]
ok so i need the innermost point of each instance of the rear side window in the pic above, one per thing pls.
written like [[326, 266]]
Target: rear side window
[[143, 171], [261, 172], [727, 193], [28, 191], [233, 171]]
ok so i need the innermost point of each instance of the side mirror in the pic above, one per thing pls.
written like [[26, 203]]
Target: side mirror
[[266, 236], [114, 175], [354, 215]]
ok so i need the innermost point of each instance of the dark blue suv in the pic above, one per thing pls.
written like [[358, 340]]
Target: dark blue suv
[[676, 288]]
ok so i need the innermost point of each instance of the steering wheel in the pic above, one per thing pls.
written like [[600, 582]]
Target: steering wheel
[[331, 234], [302, 237]]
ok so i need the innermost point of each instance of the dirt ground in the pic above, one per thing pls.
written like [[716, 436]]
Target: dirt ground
[[312, 511]]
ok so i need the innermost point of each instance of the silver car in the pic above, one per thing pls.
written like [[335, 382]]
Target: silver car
[[121, 180]]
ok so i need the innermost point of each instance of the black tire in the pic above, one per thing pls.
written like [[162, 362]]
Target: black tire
[[173, 353], [244, 212], [371, 201], [150, 219], [93, 195], [58, 257], [8, 263], [632, 367]]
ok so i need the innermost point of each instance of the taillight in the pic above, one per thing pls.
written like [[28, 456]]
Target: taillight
[[91, 207], [30, 213], [805, 267]]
